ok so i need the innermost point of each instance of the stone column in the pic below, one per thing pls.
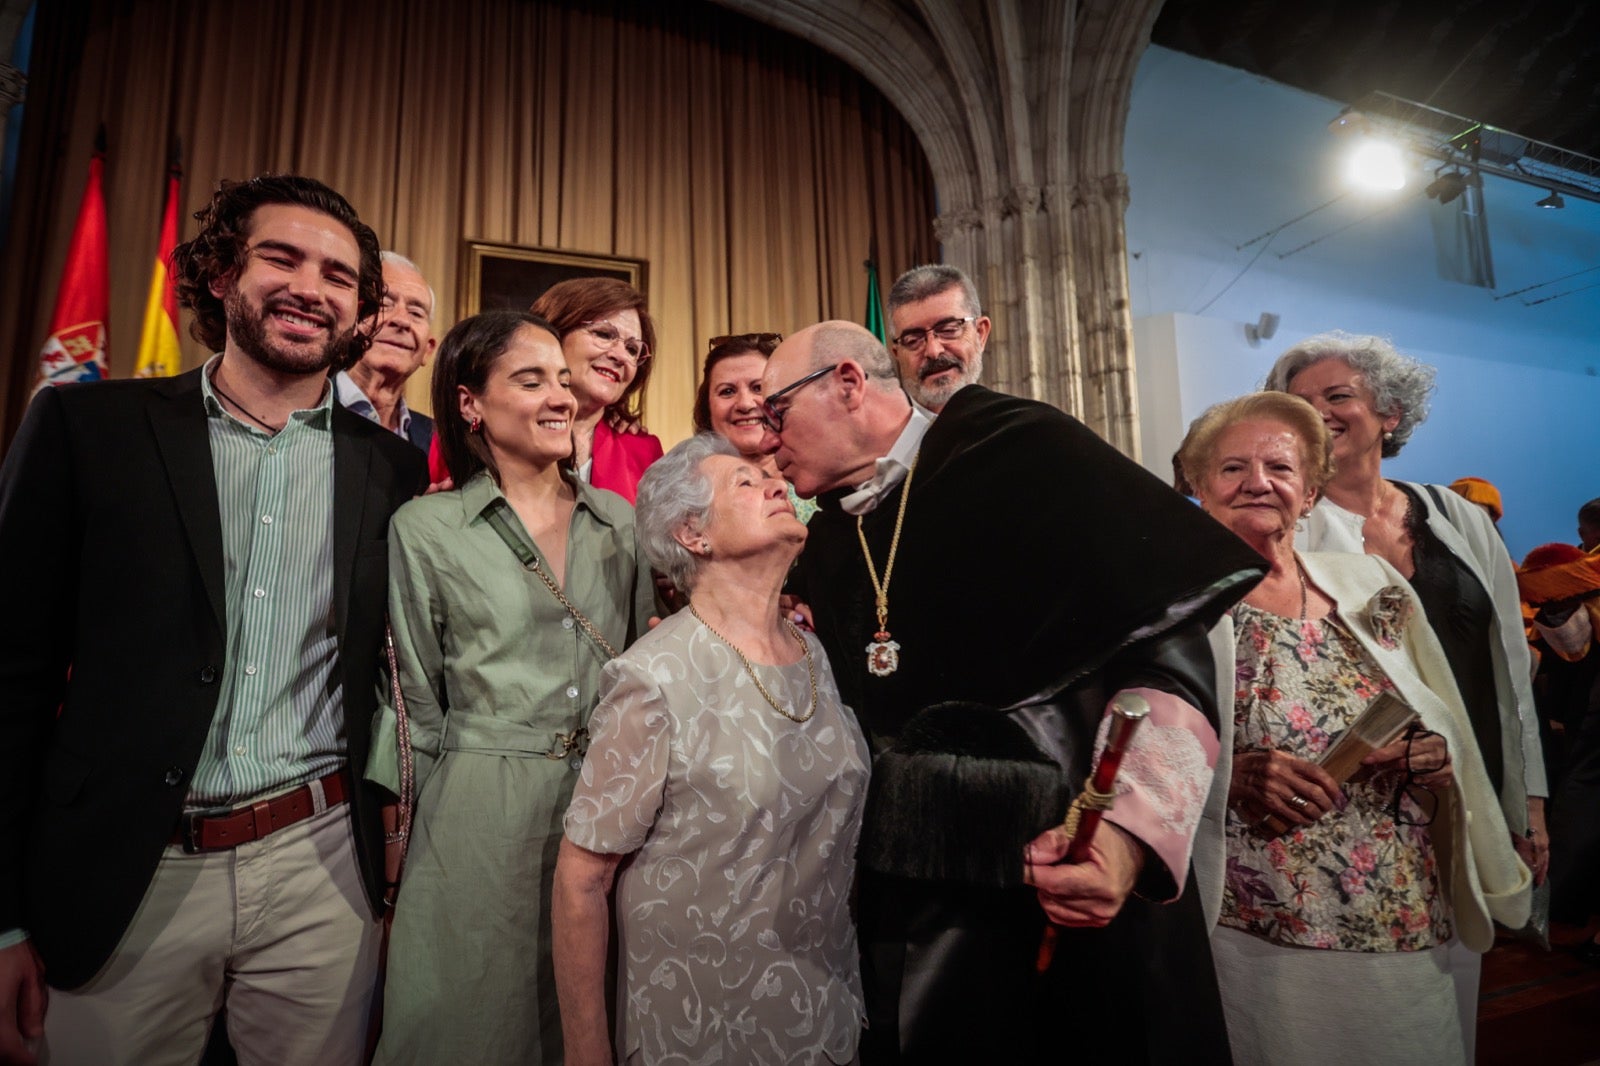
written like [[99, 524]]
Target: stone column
[[1105, 325]]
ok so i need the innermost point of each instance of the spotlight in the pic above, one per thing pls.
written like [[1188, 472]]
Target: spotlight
[[1261, 329], [1552, 201], [1447, 187], [1376, 165]]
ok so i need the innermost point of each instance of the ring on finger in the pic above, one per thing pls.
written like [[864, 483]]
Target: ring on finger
[[1299, 801]]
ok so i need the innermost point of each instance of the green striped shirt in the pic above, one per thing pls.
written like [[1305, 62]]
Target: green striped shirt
[[280, 714]]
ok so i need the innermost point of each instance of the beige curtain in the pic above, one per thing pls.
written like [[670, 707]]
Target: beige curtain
[[751, 170]]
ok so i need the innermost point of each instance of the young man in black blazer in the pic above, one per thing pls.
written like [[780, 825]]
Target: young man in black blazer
[[195, 580]]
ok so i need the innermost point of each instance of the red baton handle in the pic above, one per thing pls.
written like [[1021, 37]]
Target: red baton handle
[[1127, 711]]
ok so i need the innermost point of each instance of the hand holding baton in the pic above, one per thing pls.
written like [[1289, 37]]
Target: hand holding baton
[[1099, 794]]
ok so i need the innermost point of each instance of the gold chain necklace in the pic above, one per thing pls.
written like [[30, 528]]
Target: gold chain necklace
[[883, 654], [811, 668]]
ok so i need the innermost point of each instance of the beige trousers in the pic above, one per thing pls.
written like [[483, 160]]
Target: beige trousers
[[279, 929]]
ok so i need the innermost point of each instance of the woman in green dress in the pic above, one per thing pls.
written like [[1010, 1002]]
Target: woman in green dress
[[507, 596]]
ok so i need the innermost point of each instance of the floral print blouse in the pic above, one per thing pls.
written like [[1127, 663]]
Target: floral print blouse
[[1353, 880]]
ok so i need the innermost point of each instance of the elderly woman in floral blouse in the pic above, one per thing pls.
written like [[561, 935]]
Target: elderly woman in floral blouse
[[1336, 902]]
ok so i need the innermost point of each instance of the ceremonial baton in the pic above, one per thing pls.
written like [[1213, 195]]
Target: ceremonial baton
[[1097, 797]]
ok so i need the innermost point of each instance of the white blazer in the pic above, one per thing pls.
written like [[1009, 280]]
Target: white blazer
[[1470, 535], [1483, 878]]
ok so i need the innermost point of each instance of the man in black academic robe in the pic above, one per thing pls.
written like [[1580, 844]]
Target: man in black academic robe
[[1028, 558]]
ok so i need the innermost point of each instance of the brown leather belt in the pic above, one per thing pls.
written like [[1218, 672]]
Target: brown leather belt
[[220, 828]]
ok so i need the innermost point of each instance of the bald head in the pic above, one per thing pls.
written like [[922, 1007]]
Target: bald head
[[836, 341], [840, 403]]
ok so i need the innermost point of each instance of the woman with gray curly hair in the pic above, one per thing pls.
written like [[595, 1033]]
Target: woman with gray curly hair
[[723, 766], [1371, 398]]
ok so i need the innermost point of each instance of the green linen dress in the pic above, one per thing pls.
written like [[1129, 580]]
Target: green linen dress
[[492, 667]]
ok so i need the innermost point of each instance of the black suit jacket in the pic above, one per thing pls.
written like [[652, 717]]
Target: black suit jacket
[[112, 644], [420, 432]]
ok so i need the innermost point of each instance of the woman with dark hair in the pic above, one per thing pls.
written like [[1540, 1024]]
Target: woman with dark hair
[[728, 401], [507, 596], [608, 339]]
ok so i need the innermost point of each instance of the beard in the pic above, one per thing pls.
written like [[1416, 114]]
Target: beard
[[935, 396], [247, 328]]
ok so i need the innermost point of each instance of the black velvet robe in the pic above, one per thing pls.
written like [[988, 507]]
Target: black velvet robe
[[1032, 553]]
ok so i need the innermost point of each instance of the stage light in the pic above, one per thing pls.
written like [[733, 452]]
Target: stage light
[[1447, 187], [1552, 201], [1377, 165]]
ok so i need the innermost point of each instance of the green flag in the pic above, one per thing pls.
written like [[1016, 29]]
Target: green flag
[[874, 321]]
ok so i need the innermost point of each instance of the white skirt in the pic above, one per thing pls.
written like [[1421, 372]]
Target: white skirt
[[1308, 1006]]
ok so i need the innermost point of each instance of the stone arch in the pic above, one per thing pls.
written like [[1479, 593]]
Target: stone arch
[[1021, 107]]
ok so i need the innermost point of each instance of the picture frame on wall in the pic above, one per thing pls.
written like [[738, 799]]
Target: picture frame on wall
[[511, 276]]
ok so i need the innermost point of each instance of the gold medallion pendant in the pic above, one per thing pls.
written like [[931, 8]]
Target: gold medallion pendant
[[883, 655]]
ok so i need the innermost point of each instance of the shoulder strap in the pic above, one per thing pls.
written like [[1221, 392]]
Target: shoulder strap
[[408, 758], [1438, 501], [496, 516]]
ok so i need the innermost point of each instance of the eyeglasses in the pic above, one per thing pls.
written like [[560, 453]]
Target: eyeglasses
[[772, 415], [765, 343], [1414, 804], [634, 350], [946, 329]]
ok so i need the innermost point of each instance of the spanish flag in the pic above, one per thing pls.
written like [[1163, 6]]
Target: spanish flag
[[158, 343], [76, 347]]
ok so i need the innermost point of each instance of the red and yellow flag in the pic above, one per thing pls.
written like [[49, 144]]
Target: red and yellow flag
[[158, 343], [76, 347]]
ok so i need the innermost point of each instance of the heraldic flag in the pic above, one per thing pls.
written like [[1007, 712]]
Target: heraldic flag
[[76, 348], [158, 343]]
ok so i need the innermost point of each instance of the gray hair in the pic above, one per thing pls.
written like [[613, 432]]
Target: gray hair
[[1400, 384], [674, 491], [921, 282], [835, 341], [400, 260]]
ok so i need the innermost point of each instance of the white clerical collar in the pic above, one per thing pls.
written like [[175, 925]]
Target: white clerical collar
[[890, 470], [349, 395]]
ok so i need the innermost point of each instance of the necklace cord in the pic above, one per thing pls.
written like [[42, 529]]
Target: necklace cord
[[811, 668]]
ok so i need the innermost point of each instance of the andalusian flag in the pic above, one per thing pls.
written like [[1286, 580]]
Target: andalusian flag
[[76, 347], [158, 344], [874, 322]]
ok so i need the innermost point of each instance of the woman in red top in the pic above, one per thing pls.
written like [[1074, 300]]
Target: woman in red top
[[608, 338]]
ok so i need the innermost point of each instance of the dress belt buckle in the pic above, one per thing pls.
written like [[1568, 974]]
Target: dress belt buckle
[[189, 826], [571, 746]]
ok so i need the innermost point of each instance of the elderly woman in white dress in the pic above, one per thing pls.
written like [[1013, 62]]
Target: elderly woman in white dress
[[1333, 939], [723, 767]]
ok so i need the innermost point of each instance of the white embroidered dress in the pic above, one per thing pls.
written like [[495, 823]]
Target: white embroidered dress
[[733, 919]]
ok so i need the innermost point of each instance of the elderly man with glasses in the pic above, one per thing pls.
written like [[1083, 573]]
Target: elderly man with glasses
[[958, 567]]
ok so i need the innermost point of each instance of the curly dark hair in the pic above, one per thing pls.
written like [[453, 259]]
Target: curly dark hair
[[217, 251], [566, 305]]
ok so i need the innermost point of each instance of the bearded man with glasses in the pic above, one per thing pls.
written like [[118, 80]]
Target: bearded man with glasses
[[959, 565], [939, 333]]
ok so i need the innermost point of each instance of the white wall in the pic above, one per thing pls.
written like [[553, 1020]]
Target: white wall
[[1215, 157], [1514, 425]]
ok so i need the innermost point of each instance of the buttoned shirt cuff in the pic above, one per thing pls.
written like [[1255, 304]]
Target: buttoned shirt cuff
[[1163, 783], [12, 937]]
